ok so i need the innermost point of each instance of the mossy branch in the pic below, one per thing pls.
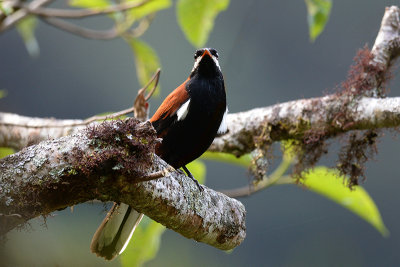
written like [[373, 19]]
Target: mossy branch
[[109, 162], [290, 120]]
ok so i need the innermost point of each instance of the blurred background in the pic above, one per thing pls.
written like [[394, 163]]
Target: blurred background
[[266, 57]]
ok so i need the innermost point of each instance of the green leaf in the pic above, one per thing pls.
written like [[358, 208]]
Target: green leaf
[[146, 60], [243, 161], [5, 151], [330, 184], [198, 169], [26, 28], [318, 15], [3, 93], [196, 18], [144, 245], [149, 8]]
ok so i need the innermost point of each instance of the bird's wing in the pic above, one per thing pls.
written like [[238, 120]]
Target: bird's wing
[[164, 115]]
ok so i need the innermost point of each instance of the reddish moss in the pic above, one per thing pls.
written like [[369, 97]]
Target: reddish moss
[[360, 147], [123, 147], [309, 151], [365, 78]]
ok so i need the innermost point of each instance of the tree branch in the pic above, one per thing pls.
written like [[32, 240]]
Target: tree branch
[[290, 120], [81, 13], [18, 131], [52, 15], [109, 34], [18, 15], [58, 173]]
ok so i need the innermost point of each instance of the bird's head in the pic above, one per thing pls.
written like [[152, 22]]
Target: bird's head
[[206, 63]]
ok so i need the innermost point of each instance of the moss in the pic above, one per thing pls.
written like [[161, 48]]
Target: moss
[[364, 79], [359, 148], [72, 171], [122, 147]]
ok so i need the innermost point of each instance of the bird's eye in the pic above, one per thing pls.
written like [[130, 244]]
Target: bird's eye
[[198, 53], [214, 52]]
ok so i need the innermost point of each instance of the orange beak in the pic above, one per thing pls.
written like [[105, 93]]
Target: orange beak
[[206, 52]]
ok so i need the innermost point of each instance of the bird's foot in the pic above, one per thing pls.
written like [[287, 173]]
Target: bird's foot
[[189, 174]]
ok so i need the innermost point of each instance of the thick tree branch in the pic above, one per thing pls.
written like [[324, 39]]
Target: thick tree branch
[[32, 130], [290, 120], [386, 47], [63, 172]]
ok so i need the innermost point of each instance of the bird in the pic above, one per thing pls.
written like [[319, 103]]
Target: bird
[[187, 121]]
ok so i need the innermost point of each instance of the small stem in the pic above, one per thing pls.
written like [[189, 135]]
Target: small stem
[[82, 13], [18, 15], [273, 179], [286, 179], [81, 31]]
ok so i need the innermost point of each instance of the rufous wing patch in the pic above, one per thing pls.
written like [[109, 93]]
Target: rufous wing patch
[[172, 103]]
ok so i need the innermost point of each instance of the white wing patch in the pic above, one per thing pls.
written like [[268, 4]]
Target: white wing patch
[[223, 128], [183, 111]]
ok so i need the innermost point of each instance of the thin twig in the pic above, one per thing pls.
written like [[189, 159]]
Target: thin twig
[[81, 31], [140, 105], [18, 15], [156, 77], [141, 28], [157, 175], [115, 115], [108, 117], [273, 179], [81, 13]]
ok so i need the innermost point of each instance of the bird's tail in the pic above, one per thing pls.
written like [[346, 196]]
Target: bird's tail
[[114, 233]]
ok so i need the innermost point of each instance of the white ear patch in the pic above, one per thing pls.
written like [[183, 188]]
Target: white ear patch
[[196, 63], [216, 62], [183, 111], [223, 128]]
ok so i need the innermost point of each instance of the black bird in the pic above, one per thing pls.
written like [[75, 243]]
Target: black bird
[[187, 121]]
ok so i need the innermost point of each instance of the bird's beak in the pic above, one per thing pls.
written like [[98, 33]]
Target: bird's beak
[[206, 52]]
